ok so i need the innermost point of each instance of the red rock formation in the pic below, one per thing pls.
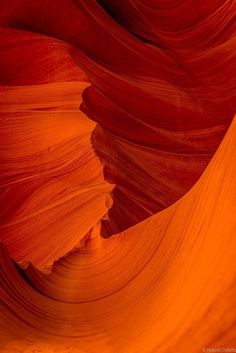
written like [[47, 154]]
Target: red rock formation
[[116, 119]]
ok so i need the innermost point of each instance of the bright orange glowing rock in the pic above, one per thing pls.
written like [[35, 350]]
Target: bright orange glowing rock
[[117, 119]]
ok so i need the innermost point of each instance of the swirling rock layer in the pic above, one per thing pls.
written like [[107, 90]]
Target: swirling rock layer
[[117, 176]]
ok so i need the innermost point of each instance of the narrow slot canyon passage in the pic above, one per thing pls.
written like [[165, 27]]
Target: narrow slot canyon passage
[[117, 176]]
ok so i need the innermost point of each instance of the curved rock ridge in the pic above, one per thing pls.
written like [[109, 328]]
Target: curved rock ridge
[[117, 294], [117, 176], [161, 79]]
